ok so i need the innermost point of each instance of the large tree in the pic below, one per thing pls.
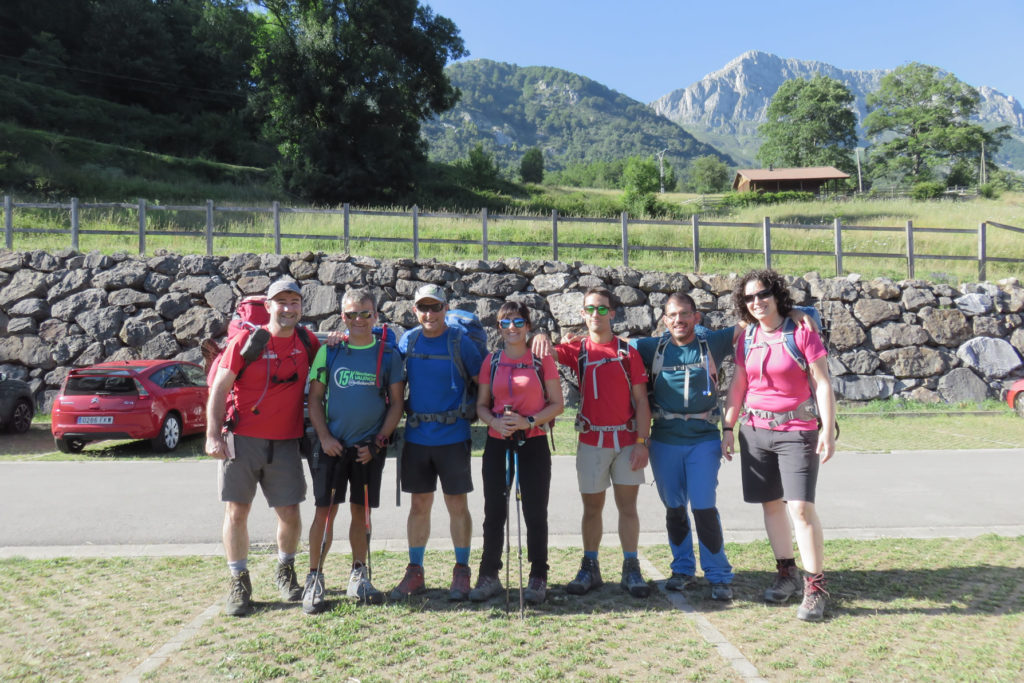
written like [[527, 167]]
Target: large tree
[[708, 174], [810, 123], [344, 85], [920, 120]]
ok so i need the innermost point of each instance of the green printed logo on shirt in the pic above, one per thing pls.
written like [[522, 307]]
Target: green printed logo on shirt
[[345, 377]]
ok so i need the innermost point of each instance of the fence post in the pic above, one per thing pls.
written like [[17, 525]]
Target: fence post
[[766, 229], [554, 234], [209, 227], [695, 229], [415, 232], [74, 223], [8, 222], [837, 227], [345, 226], [142, 227], [276, 208], [483, 232], [625, 239], [910, 250], [981, 251]]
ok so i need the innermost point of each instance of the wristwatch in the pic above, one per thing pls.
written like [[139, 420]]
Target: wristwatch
[[643, 441], [531, 420]]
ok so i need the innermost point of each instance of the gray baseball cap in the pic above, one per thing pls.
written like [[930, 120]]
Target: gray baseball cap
[[284, 285], [430, 292]]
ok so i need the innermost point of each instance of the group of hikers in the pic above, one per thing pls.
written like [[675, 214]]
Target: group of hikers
[[651, 400]]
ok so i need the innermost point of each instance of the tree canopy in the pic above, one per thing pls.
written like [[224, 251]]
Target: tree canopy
[[919, 121], [708, 174], [531, 167], [810, 123]]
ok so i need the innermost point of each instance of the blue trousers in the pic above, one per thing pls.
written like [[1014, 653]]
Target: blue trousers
[[688, 475]]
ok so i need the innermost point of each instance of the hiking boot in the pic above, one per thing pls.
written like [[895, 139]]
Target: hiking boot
[[239, 602], [813, 606], [678, 582], [287, 582], [411, 584], [486, 588], [459, 591], [313, 594], [588, 577], [536, 591], [359, 586], [721, 591], [633, 580], [785, 585]]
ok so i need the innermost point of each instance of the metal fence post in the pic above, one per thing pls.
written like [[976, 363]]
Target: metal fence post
[[8, 222], [277, 227], [209, 227], [345, 225], [910, 250], [483, 230], [837, 227], [554, 234], [415, 232], [981, 251], [766, 229], [142, 227], [625, 239], [695, 230], [74, 223]]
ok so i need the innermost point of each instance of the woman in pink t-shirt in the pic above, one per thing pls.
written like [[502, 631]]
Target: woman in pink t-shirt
[[779, 436], [518, 399]]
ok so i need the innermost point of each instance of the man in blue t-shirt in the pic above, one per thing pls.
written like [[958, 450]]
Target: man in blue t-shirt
[[437, 437], [685, 442], [355, 404]]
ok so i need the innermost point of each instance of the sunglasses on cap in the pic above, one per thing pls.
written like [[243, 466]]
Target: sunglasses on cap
[[765, 293], [430, 308], [361, 315], [516, 322], [601, 310]]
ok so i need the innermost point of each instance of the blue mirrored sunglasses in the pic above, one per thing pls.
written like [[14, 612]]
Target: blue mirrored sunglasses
[[506, 323]]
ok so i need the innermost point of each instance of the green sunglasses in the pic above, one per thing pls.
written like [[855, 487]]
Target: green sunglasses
[[601, 310]]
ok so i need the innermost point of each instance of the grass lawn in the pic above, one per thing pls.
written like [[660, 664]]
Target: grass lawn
[[900, 610]]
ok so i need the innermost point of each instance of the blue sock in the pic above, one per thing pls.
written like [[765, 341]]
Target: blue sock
[[628, 555], [416, 554], [238, 566], [590, 554], [462, 555]]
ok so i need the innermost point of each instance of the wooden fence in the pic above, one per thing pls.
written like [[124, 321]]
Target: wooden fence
[[142, 207]]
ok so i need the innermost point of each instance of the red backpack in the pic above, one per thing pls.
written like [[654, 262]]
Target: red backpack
[[250, 314]]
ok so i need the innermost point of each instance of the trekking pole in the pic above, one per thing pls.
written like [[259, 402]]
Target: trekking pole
[[366, 518], [519, 529], [327, 527], [508, 516]]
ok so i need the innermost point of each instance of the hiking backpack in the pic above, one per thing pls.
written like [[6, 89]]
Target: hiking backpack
[[461, 324], [707, 362], [388, 345]]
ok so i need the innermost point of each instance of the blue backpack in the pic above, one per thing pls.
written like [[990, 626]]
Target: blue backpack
[[788, 338], [461, 324]]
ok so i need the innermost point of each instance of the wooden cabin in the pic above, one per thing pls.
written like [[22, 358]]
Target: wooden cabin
[[810, 179]]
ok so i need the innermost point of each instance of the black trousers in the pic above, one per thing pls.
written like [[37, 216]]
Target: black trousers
[[534, 485]]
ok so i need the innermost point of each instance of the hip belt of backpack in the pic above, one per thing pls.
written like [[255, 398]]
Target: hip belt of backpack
[[808, 410], [713, 416]]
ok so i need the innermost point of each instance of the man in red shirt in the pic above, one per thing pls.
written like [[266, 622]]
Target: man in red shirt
[[614, 422], [263, 397]]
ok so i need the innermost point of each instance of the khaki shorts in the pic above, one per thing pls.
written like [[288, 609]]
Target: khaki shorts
[[274, 465], [598, 468]]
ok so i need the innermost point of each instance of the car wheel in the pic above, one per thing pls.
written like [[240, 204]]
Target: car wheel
[[169, 436], [21, 418], [70, 445], [1018, 404]]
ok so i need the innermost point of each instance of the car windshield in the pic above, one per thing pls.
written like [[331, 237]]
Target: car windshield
[[87, 385]]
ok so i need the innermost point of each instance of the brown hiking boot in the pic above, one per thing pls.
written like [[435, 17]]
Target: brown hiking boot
[[411, 584], [288, 582], [785, 586], [239, 602], [459, 591]]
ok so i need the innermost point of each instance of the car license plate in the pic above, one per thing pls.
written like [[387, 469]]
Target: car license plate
[[96, 419]]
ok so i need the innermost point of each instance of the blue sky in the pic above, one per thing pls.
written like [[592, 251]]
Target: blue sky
[[647, 48]]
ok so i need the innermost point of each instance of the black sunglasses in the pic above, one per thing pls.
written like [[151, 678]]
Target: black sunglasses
[[429, 308], [506, 323], [765, 293], [362, 315]]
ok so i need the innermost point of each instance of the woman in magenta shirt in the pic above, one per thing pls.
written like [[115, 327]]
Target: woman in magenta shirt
[[517, 407], [783, 391]]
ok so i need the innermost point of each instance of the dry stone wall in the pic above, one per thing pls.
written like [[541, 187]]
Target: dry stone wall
[[909, 338]]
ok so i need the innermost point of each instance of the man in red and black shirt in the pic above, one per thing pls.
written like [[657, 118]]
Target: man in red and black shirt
[[261, 446]]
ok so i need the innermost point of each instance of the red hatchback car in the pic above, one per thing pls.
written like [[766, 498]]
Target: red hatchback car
[[1015, 396], [160, 400]]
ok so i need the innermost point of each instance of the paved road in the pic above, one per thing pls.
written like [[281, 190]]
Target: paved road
[[112, 508]]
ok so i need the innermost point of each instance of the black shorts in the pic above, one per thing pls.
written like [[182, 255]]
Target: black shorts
[[778, 464], [423, 465], [338, 472]]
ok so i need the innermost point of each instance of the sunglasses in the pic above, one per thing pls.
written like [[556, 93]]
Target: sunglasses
[[506, 323], [601, 310], [765, 293], [361, 315], [429, 308]]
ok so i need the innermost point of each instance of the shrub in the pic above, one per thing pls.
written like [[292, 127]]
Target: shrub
[[989, 191], [927, 190]]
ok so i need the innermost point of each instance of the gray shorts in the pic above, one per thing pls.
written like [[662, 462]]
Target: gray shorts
[[598, 468], [275, 465], [778, 464]]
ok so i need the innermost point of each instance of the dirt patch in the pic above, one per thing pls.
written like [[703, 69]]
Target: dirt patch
[[37, 439]]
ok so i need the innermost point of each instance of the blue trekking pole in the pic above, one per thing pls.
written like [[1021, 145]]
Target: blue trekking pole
[[508, 516]]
